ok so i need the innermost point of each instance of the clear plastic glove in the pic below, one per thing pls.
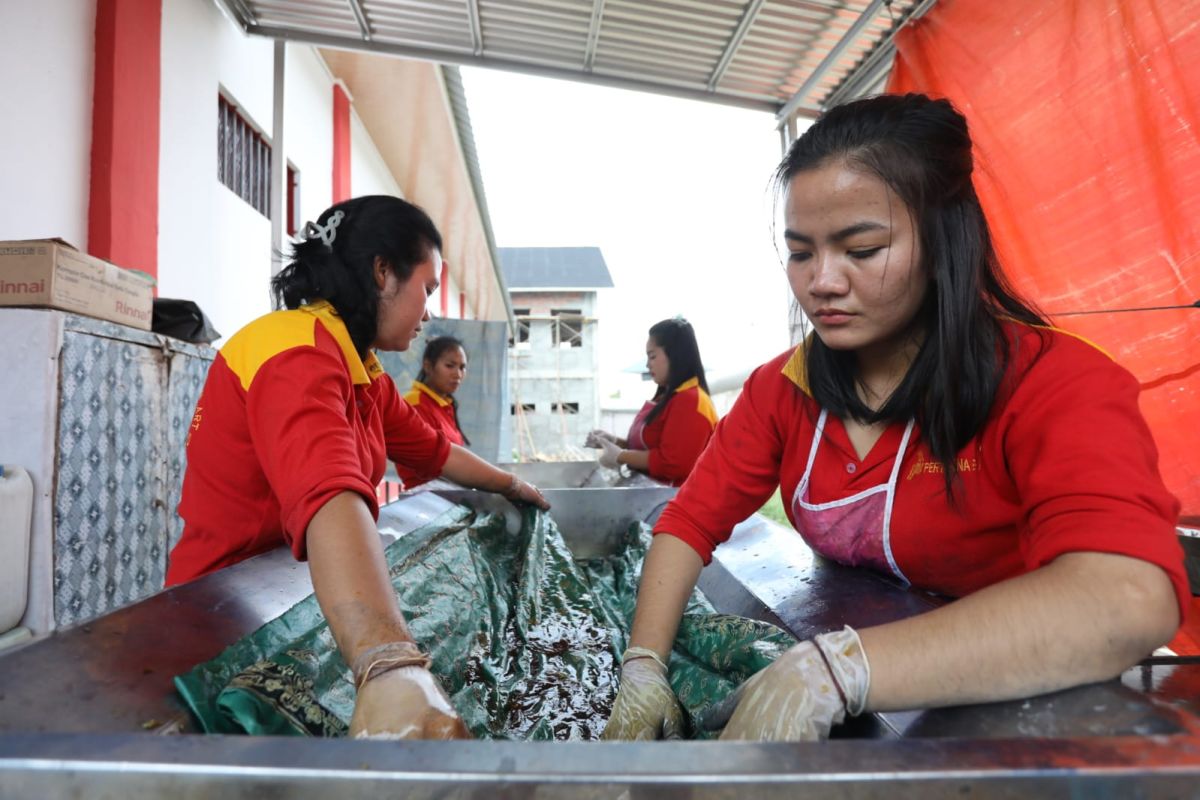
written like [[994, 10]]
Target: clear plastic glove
[[521, 492], [595, 437], [405, 703], [646, 707], [608, 454], [807, 691]]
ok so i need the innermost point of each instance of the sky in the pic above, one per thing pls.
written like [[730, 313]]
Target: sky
[[675, 193]]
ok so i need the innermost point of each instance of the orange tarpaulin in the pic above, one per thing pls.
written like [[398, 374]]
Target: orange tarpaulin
[[1086, 120]]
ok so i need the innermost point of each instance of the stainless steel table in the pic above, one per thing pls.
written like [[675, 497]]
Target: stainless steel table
[[80, 710]]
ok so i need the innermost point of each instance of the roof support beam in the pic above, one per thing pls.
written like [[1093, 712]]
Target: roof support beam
[[237, 11], [797, 99], [361, 16], [593, 34], [476, 27], [464, 58], [866, 73], [735, 41]]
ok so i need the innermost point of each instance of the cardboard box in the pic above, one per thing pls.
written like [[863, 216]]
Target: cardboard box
[[50, 272]]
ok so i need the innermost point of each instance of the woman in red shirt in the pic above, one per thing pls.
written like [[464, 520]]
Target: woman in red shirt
[[931, 428], [443, 367], [293, 431], [671, 430]]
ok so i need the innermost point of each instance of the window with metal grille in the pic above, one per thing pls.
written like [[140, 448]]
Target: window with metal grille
[[565, 408], [568, 327], [527, 408], [243, 157]]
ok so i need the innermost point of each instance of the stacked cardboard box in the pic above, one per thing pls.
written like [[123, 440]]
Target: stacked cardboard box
[[52, 273]]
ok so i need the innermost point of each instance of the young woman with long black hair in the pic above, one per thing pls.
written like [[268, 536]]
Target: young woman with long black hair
[[672, 429], [932, 428], [443, 369], [292, 434]]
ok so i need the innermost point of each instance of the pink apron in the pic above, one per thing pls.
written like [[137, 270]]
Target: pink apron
[[855, 530]]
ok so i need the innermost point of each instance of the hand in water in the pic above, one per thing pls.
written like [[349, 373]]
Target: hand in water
[[807, 691], [646, 707]]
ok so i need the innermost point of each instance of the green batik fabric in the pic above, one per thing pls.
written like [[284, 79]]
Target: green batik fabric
[[525, 639]]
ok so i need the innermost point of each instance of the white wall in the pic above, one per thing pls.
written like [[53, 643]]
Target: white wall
[[212, 246], [308, 132], [368, 172], [46, 57]]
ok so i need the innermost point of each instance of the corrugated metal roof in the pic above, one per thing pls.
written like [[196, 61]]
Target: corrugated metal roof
[[554, 268], [787, 56]]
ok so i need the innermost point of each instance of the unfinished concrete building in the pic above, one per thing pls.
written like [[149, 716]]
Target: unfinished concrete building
[[553, 358]]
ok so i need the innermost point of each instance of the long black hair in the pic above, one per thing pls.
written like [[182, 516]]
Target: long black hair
[[434, 349], [342, 271], [678, 340], [921, 149]]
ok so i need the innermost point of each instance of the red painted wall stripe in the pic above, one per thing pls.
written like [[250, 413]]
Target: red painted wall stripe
[[123, 194], [341, 144], [445, 290]]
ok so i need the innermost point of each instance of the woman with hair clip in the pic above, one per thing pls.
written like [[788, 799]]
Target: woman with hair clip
[[443, 367], [931, 428], [292, 434], [671, 430]]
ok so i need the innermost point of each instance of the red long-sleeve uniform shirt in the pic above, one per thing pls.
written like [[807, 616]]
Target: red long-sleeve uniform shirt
[[439, 414], [679, 434], [289, 417], [1064, 463]]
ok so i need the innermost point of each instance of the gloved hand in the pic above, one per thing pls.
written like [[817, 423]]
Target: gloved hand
[[646, 707], [595, 437], [405, 703], [521, 492], [807, 691], [608, 455]]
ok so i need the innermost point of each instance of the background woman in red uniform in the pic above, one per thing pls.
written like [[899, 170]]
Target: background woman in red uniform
[[932, 428], [670, 431], [443, 368], [293, 431]]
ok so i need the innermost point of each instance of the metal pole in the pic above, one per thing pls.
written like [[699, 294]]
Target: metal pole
[[879, 61], [797, 99], [279, 187]]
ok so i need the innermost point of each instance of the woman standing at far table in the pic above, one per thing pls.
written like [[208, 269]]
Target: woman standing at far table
[[443, 368], [672, 429]]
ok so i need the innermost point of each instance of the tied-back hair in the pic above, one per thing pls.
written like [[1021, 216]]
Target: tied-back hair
[[677, 339], [921, 149], [434, 349], [342, 271]]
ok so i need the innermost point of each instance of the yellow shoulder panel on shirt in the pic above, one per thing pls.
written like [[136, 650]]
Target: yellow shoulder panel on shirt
[[362, 370], [1083, 339], [266, 337], [795, 369], [704, 404], [413, 397], [421, 388], [706, 408]]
